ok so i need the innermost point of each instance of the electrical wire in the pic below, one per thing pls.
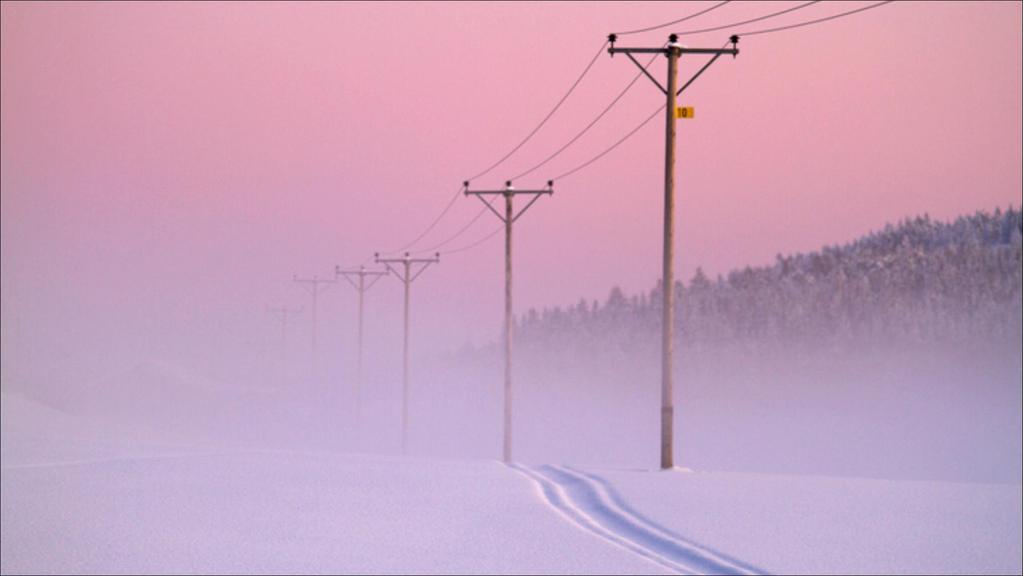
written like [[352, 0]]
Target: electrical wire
[[617, 143], [666, 24], [615, 101], [545, 161], [551, 156], [461, 231], [818, 20], [764, 31], [432, 225], [588, 126], [556, 178], [476, 243], [546, 118], [610, 148], [451, 202], [750, 21]]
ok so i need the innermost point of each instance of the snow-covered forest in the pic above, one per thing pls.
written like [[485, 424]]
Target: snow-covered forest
[[917, 281]]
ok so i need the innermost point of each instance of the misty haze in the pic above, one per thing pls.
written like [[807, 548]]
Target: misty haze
[[380, 288]]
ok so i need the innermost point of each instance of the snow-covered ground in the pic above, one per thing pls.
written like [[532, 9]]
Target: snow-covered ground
[[79, 499]]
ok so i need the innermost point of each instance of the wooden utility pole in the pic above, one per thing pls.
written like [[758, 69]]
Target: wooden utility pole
[[313, 284], [361, 287], [407, 275], [673, 51], [509, 217]]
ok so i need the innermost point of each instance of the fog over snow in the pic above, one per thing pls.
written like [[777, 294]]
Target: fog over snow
[[848, 374]]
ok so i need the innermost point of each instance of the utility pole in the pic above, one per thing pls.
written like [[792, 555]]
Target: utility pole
[[673, 51], [283, 314], [313, 285], [509, 217], [407, 275], [361, 287]]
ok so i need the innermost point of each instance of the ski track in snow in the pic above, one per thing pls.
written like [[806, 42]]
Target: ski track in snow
[[589, 502], [583, 498]]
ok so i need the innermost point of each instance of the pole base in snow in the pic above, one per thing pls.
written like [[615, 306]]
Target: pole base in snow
[[667, 425]]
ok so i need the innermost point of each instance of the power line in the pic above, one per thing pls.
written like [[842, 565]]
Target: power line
[[628, 135], [652, 116], [620, 140], [809, 22], [449, 239], [539, 165], [546, 118], [750, 21], [433, 224], [561, 176], [476, 243], [610, 148], [572, 141], [656, 112], [515, 149], [588, 126], [592, 123], [765, 31], [690, 17]]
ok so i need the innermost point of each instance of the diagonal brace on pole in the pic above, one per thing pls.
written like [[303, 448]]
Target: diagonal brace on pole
[[426, 264], [490, 206], [717, 52], [697, 75], [510, 191], [361, 273], [313, 284], [647, 74], [407, 275]]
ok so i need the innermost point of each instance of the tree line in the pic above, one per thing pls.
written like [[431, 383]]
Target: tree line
[[918, 281]]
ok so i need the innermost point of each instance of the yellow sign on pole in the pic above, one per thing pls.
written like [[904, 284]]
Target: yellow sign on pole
[[684, 112]]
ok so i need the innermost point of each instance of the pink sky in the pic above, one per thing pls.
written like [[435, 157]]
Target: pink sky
[[166, 168]]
